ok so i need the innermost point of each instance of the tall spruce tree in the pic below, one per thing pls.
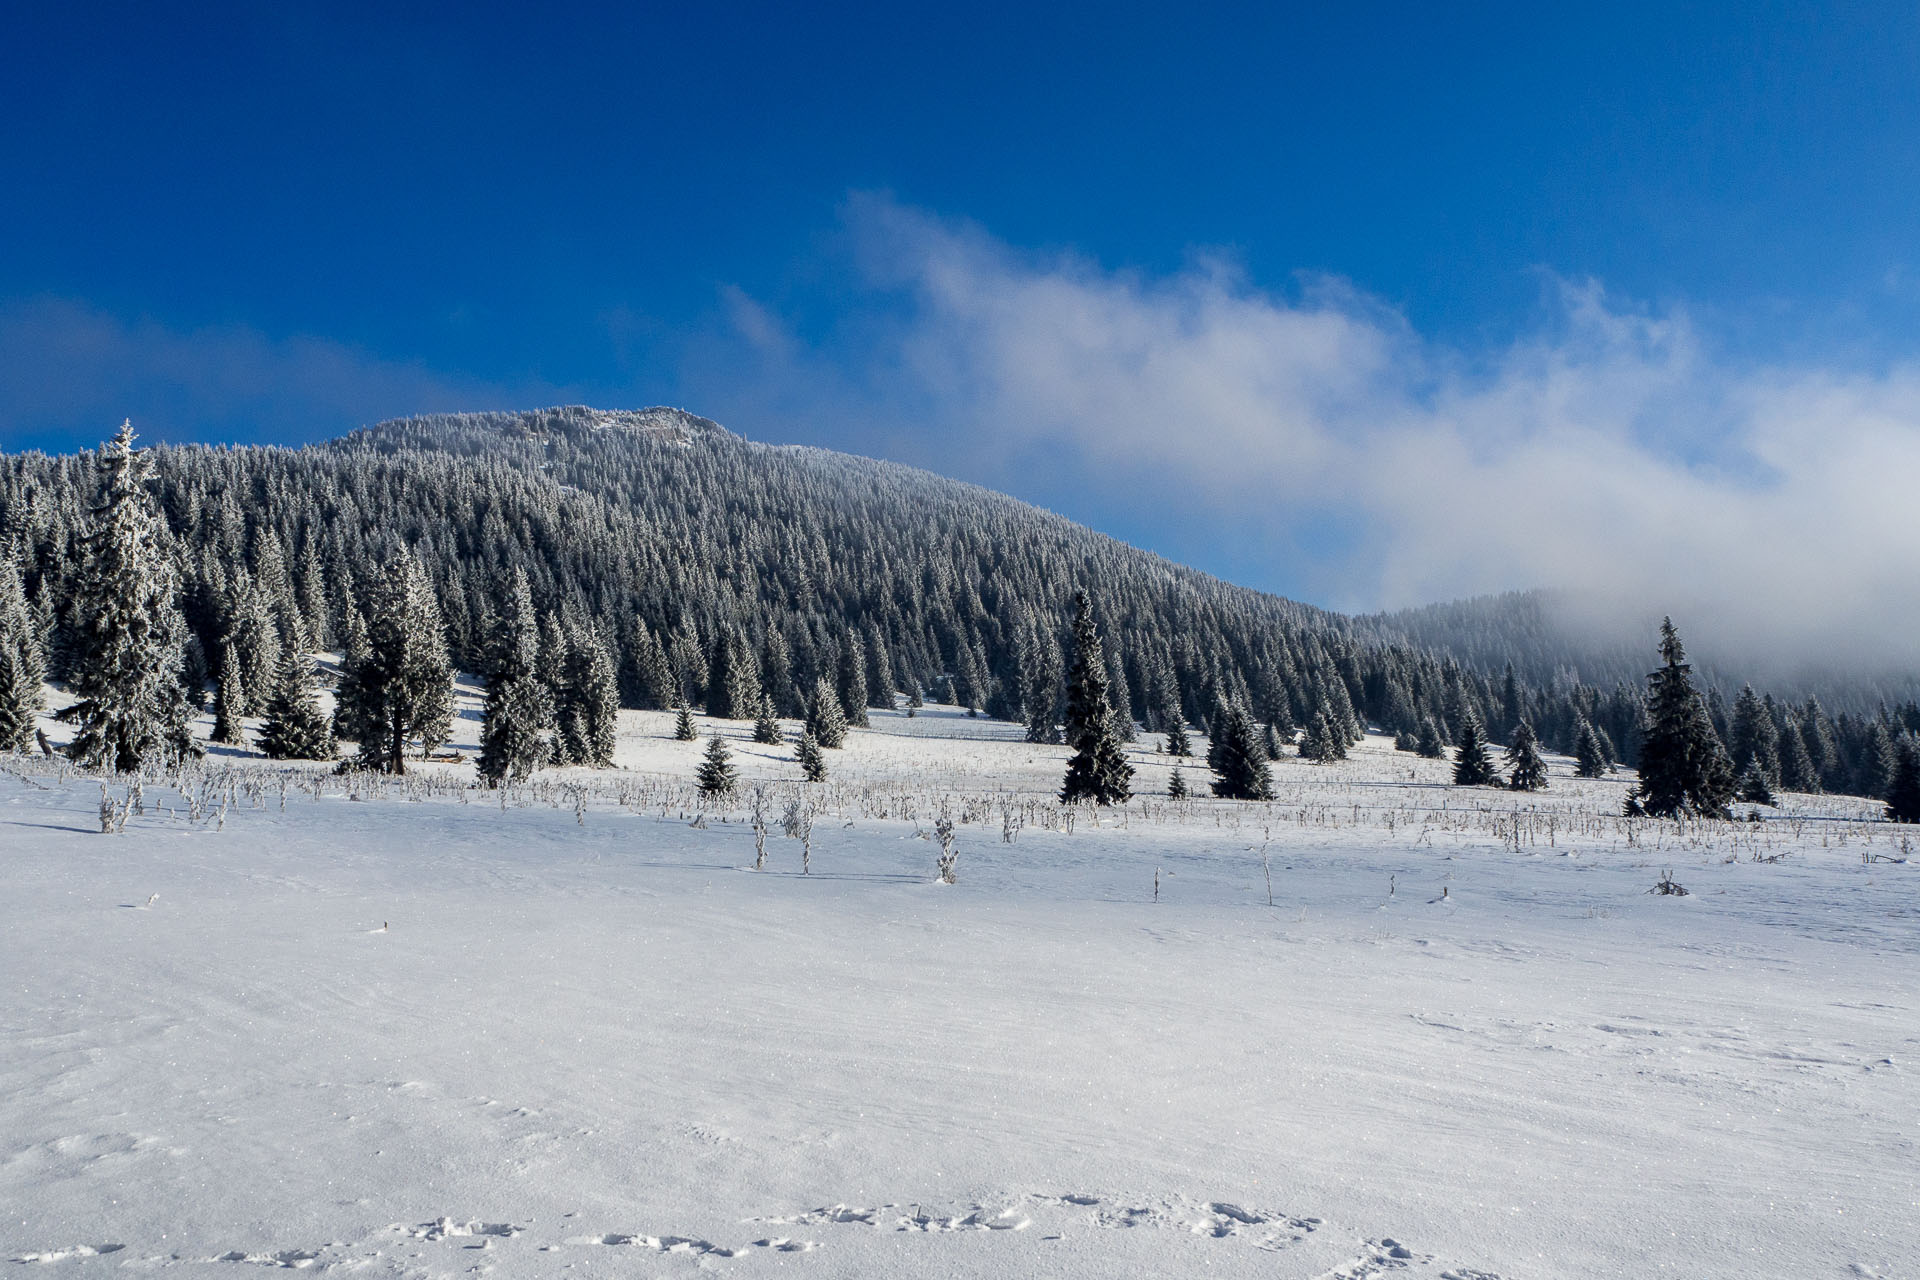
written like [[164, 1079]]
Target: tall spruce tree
[[21, 666], [1526, 771], [1431, 745], [1683, 767], [1753, 736], [853, 680], [1796, 766], [1472, 767], [519, 709], [401, 690], [1903, 791], [1589, 759], [587, 717], [1238, 760], [826, 721], [229, 700], [295, 728], [1098, 769], [766, 729], [127, 631]]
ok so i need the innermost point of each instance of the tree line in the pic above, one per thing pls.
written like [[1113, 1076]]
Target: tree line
[[585, 561]]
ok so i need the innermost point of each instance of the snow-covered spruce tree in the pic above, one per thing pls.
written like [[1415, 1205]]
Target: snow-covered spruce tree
[[826, 721], [1039, 680], [1335, 731], [229, 700], [812, 760], [1875, 771], [1238, 760], [1471, 765], [519, 712], [1796, 766], [1430, 745], [716, 776], [295, 728], [1590, 759], [683, 730], [1173, 723], [1098, 770], [733, 677], [401, 690], [1683, 767], [1176, 785], [766, 729], [1752, 787], [587, 717], [21, 666], [127, 631], [1753, 736], [1903, 792], [1120, 697], [1526, 771], [853, 682], [1271, 740]]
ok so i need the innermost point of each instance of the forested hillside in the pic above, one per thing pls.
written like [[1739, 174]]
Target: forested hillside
[[678, 549]]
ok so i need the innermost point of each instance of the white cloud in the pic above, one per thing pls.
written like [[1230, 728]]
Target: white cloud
[[1614, 454]]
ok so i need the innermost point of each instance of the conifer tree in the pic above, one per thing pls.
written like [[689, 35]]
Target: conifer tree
[[683, 730], [587, 716], [1098, 770], [716, 776], [295, 728], [1796, 766], [229, 700], [826, 721], [1431, 745], [812, 760], [402, 689], [1752, 787], [1683, 767], [1039, 680], [1875, 772], [853, 682], [1526, 771], [1119, 697], [766, 729], [519, 709], [1471, 765], [21, 667], [1239, 764], [658, 689], [1590, 759], [1333, 735], [1176, 785], [127, 631], [1172, 717], [776, 672], [1903, 791], [882, 682], [1753, 735]]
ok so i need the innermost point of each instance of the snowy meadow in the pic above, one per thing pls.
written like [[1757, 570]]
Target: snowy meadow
[[592, 1024]]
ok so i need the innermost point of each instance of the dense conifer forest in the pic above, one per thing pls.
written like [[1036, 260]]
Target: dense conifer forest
[[656, 558]]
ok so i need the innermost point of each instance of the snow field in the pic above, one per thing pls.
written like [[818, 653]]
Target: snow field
[[419, 1033]]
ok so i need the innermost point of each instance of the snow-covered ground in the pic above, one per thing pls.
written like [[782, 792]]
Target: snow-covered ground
[[418, 1032]]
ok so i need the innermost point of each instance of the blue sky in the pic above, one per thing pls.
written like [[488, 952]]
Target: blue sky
[[272, 223]]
